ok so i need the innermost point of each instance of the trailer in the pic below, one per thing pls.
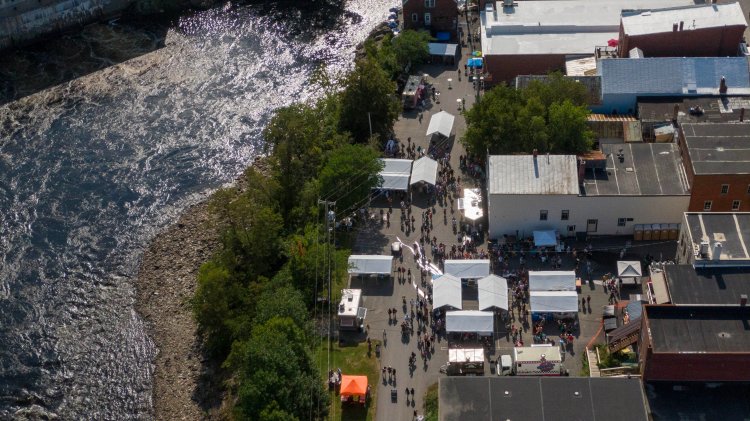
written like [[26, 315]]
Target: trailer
[[412, 92], [544, 360]]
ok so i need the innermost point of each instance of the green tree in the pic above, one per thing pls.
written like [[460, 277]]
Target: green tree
[[568, 131], [492, 123], [556, 88], [368, 91], [349, 175], [411, 47]]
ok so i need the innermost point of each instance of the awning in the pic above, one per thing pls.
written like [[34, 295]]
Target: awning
[[474, 62], [353, 385], [629, 269], [395, 174], [493, 292], [553, 301], [446, 292], [545, 238], [441, 123], [468, 269], [361, 264], [443, 36], [471, 204], [441, 49], [466, 355], [424, 169], [552, 280], [469, 321]]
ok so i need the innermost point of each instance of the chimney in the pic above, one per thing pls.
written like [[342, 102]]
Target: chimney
[[581, 171], [742, 114], [716, 254], [676, 112], [743, 300], [535, 153], [674, 27], [723, 85], [682, 24]]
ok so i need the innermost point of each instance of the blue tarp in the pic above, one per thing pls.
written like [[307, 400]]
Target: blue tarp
[[474, 62], [443, 36]]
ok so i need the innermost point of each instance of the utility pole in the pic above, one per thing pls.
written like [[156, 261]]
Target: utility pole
[[369, 120], [328, 205]]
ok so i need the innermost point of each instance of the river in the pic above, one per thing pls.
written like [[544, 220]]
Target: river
[[92, 168]]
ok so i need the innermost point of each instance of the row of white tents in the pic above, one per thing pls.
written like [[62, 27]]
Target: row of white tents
[[399, 174], [493, 292]]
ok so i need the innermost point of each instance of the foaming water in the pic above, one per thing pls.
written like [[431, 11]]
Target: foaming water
[[91, 169]]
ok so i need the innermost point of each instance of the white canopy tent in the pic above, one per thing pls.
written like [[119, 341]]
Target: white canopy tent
[[395, 174], [442, 49], [367, 264], [471, 204], [441, 123], [468, 269], [552, 280], [629, 269], [446, 292], [466, 355], [493, 292], [545, 238], [553, 301], [424, 169], [472, 321]]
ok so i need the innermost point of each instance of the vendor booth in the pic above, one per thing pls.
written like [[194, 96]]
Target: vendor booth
[[353, 389], [441, 123], [471, 204], [547, 238], [424, 170], [446, 292], [465, 361], [445, 53], [550, 305], [470, 321], [468, 268], [413, 92], [629, 272], [365, 264], [395, 174], [351, 315], [493, 293], [552, 280]]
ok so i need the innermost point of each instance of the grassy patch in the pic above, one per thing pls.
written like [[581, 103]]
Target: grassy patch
[[585, 371], [352, 359], [431, 403]]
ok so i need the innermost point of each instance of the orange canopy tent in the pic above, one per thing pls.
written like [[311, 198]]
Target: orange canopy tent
[[353, 385]]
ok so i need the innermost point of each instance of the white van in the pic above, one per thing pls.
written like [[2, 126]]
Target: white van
[[537, 361]]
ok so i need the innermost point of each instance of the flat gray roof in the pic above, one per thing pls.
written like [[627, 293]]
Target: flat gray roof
[[704, 286], [718, 148], [540, 399], [646, 169], [732, 230], [699, 329], [715, 109], [524, 174]]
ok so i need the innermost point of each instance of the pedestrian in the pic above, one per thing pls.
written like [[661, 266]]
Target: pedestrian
[[407, 393], [588, 300]]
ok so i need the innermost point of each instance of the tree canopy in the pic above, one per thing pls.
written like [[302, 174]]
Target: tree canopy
[[549, 116], [411, 47], [368, 97]]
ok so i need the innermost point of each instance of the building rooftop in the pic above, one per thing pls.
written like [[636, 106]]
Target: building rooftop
[[702, 286], [674, 75], [559, 27], [718, 148], [714, 109], [349, 304], [524, 174], [541, 399], [698, 329], [698, 400], [732, 230], [640, 22], [646, 169]]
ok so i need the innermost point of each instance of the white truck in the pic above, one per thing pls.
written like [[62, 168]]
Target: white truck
[[540, 360]]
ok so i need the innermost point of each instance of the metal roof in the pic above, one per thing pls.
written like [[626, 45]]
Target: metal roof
[[641, 22], [674, 75], [440, 49], [541, 399], [718, 148], [524, 174], [698, 329]]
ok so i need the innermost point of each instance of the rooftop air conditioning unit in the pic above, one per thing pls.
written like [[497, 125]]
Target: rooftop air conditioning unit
[[704, 249]]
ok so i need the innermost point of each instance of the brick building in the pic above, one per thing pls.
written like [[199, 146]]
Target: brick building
[[432, 15], [717, 163], [695, 343], [693, 31]]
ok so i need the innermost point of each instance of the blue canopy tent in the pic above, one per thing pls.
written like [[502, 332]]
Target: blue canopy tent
[[475, 62]]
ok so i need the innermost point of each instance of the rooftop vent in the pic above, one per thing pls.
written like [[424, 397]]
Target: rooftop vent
[[704, 249], [716, 254]]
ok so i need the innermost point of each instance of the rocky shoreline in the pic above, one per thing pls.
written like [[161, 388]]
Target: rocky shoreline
[[165, 284]]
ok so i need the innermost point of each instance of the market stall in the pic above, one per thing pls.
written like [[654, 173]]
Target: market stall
[[424, 170], [471, 204], [395, 174], [446, 292], [493, 293], [470, 321], [353, 389], [465, 361], [552, 280], [441, 123], [468, 268], [553, 305], [370, 264], [546, 238], [629, 272]]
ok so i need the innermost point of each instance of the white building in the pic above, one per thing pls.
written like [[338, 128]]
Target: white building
[[629, 184]]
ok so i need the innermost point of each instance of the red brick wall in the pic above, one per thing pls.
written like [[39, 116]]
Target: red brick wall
[[706, 42], [696, 367], [505, 68], [444, 16], [708, 187]]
